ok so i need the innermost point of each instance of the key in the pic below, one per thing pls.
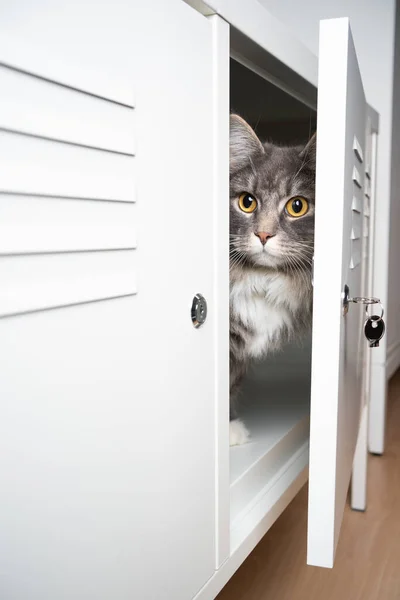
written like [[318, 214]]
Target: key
[[374, 329]]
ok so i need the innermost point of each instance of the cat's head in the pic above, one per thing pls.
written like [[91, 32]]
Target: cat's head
[[272, 192]]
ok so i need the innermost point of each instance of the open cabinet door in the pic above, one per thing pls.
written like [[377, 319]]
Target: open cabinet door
[[336, 396], [107, 452]]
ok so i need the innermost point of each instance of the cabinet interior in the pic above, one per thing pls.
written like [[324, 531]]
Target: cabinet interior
[[275, 396]]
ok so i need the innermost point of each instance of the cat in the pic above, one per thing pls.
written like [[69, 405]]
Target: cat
[[272, 200]]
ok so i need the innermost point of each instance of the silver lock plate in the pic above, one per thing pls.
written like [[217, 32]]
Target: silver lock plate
[[346, 299], [199, 310]]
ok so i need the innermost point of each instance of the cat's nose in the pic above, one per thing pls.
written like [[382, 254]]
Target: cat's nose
[[263, 236]]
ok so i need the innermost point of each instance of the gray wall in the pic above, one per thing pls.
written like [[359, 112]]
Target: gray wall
[[393, 350]]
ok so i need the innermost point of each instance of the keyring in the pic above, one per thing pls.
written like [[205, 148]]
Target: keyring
[[363, 300], [382, 311]]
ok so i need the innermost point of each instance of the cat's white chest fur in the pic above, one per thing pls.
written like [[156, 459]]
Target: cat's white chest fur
[[264, 304]]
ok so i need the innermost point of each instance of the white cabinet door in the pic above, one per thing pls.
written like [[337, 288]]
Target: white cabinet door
[[337, 337], [107, 469]]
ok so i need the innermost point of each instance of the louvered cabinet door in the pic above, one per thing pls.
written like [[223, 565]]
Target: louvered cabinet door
[[106, 228], [338, 392]]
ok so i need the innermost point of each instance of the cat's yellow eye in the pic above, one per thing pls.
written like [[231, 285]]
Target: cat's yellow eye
[[247, 202], [297, 206]]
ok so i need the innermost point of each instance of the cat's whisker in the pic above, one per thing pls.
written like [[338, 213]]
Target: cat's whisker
[[307, 256], [236, 265], [236, 258], [307, 275], [297, 267], [296, 271], [300, 245], [304, 257], [236, 253], [299, 272], [305, 252]]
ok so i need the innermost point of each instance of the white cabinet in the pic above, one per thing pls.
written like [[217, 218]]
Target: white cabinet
[[116, 474], [107, 462]]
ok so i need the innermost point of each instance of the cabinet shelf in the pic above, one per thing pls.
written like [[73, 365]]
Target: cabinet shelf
[[275, 408]]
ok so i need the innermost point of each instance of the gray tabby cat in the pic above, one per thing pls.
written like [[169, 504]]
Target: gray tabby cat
[[272, 190]]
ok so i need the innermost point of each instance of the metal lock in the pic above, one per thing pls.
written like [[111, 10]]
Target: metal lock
[[374, 326], [199, 310], [346, 299]]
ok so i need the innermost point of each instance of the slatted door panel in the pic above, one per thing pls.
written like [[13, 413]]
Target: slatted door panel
[[357, 205], [34, 105], [50, 168], [67, 186], [372, 127], [81, 46]]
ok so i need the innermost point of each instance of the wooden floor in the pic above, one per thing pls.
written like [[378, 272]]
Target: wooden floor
[[368, 555]]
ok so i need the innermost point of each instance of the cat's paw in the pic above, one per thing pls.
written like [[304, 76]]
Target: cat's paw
[[238, 433]]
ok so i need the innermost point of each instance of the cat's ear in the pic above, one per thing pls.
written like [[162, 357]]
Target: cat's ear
[[309, 152], [243, 143]]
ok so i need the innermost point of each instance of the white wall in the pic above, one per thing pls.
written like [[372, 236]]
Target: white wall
[[372, 24], [393, 349]]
